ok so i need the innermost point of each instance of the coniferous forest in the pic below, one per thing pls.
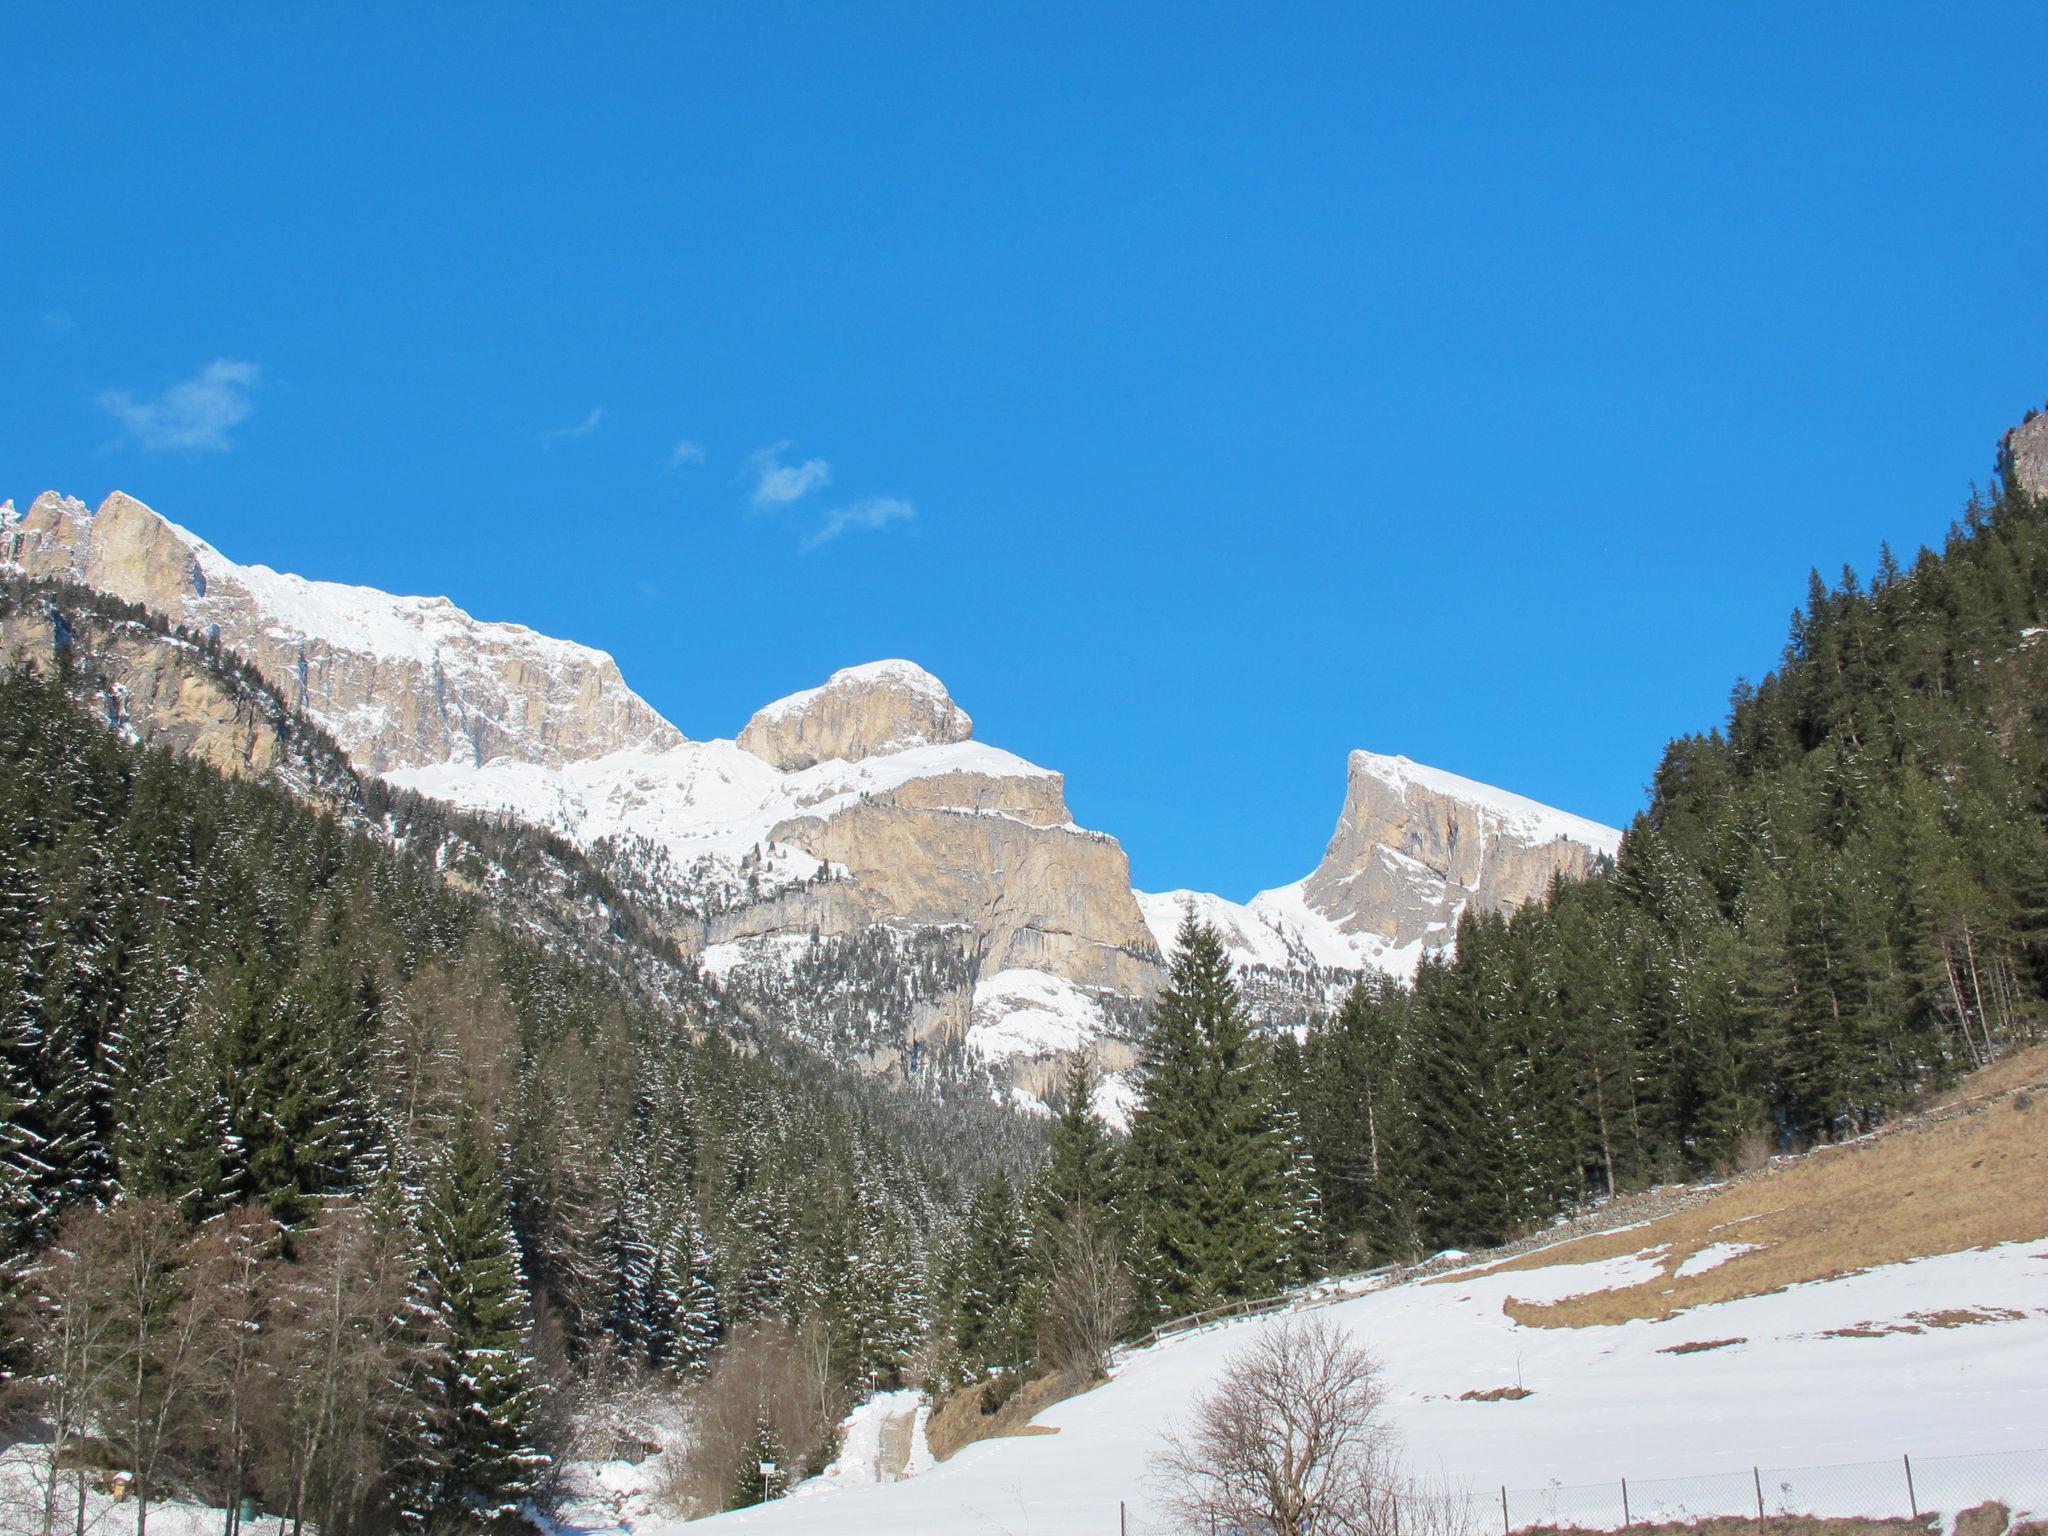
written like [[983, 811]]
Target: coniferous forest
[[327, 1183]]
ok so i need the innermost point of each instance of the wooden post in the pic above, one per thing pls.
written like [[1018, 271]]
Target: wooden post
[[1625, 1521], [1753, 1472], [1912, 1498], [1123, 1524], [1504, 1527]]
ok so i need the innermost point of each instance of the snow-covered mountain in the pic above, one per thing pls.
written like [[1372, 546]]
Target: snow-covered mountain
[[853, 865], [398, 681]]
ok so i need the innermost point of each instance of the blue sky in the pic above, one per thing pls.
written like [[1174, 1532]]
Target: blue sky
[[1200, 391]]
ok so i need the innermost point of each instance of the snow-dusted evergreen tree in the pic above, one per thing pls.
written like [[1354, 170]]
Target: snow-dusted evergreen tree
[[1208, 1163], [484, 1462], [698, 1325]]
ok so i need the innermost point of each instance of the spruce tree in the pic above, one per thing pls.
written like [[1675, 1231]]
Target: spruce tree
[[1208, 1161], [485, 1460]]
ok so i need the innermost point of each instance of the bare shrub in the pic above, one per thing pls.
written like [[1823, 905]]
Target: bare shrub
[[1088, 1299], [1288, 1441], [767, 1391]]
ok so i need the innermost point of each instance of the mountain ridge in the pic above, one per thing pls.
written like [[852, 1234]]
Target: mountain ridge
[[862, 806]]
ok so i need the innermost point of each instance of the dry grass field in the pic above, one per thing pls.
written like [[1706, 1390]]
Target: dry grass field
[[1970, 1172]]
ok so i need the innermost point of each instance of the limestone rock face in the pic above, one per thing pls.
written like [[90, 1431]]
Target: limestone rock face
[[2023, 458], [884, 706], [159, 693], [399, 682], [1002, 857], [1415, 847]]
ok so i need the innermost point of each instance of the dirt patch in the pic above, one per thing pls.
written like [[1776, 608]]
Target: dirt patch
[[1920, 1322], [1969, 1176], [898, 1435], [959, 1421], [1777, 1525], [1497, 1395], [1698, 1346]]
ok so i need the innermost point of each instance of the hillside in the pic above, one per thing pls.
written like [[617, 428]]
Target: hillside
[[1809, 1316]]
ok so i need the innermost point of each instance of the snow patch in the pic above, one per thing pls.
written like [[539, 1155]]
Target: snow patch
[[1022, 1012], [1713, 1256]]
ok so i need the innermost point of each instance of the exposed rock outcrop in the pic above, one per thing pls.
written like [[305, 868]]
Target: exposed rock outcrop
[[398, 681], [2023, 457], [864, 711], [1002, 856], [165, 692], [1415, 847]]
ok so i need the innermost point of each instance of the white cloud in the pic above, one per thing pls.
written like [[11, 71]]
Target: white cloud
[[777, 484], [860, 516], [583, 428], [687, 451], [194, 414]]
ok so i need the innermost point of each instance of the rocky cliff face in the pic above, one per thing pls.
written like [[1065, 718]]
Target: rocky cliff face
[[166, 692], [399, 681], [1416, 847], [2023, 458], [885, 706], [861, 807]]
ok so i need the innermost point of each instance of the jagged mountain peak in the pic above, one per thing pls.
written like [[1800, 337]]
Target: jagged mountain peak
[[1527, 820], [871, 710], [400, 682]]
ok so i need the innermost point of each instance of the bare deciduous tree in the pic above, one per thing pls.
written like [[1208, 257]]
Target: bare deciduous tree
[[71, 1355], [766, 1383], [1088, 1297], [1288, 1442]]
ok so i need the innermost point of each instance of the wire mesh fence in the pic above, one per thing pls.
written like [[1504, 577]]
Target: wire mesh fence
[[1903, 1488]]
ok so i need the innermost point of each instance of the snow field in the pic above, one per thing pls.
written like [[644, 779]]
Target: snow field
[[1604, 1403]]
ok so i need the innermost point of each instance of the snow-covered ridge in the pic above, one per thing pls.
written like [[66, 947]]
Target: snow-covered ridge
[[905, 675], [1528, 820], [398, 681], [703, 799]]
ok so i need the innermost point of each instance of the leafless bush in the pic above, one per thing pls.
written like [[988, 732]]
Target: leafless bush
[[1288, 1441], [763, 1378], [1088, 1299]]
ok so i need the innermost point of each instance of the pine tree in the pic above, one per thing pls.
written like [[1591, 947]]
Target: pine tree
[[485, 1460], [1208, 1157]]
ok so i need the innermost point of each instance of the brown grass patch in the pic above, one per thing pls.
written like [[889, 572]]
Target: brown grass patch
[[1776, 1525], [1697, 1346], [1497, 1395], [1966, 1178], [1987, 1519], [959, 1421], [1920, 1322]]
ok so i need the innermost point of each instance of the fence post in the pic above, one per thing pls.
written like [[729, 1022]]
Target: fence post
[[1625, 1521], [1504, 1528], [1753, 1472], [1123, 1524], [1912, 1498]]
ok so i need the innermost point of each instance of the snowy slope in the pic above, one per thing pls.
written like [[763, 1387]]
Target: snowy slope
[[1279, 930], [701, 800], [1606, 1402]]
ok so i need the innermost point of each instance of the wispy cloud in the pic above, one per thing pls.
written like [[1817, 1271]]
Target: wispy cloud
[[687, 451], [777, 484], [861, 516], [194, 415], [589, 424]]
